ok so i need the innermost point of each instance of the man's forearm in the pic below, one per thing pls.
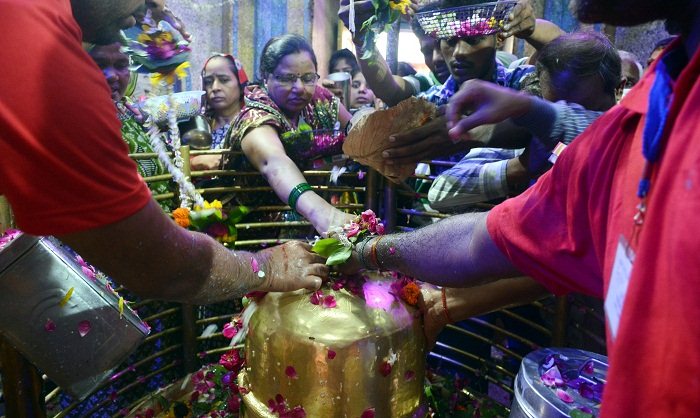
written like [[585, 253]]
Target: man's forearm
[[388, 87], [155, 258], [455, 252]]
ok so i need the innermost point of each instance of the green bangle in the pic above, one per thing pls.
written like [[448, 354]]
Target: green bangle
[[296, 192]]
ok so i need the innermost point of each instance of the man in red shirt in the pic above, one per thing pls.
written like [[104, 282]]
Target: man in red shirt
[[65, 171], [617, 218]]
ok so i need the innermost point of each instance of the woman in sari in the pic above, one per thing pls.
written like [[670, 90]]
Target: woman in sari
[[290, 120], [223, 80], [114, 64]]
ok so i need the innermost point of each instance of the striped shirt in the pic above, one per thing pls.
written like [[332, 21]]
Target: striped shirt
[[480, 176]]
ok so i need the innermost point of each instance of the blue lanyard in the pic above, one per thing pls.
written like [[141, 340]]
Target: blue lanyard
[[659, 99]]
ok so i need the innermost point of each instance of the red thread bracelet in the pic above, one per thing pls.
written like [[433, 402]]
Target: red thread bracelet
[[444, 306]]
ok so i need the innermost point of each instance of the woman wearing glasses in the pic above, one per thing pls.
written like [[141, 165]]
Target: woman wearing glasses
[[290, 121]]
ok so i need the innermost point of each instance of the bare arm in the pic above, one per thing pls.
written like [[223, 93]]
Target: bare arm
[[392, 89], [388, 87], [153, 257], [455, 252], [264, 149], [464, 303]]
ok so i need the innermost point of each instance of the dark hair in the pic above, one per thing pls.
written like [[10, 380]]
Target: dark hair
[[239, 73], [343, 54], [279, 47], [582, 54]]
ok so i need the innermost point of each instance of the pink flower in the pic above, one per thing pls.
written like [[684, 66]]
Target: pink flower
[[352, 230], [368, 413], [329, 302], [331, 354], [379, 229], [368, 215], [385, 369], [291, 372], [231, 361], [84, 328]]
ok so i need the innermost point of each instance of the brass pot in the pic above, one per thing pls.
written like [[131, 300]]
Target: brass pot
[[337, 355], [196, 132]]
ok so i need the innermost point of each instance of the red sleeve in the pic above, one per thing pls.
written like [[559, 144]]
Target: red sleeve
[[556, 231], [63, 164]]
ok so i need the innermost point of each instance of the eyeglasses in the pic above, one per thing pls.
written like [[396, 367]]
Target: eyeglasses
[[308, 79]]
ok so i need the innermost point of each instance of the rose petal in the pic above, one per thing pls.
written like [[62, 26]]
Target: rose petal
[[552, 377], [564, 396], [50, 326], [291, 372], [588, 368], [331, 354], [254, 265], [316, 297], [385, 369], [230, 330], [84, 328], [329, 302], [368, 413]]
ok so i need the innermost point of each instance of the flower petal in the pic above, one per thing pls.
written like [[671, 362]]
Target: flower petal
[[329, 302], [254, 265], [84, 328], [50, 326], [291, 372], [385, 368], [564, 396], [331, 354]]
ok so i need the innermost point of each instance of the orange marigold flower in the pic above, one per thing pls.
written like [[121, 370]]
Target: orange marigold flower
[[410, 293], [182, 217], [183, 222]]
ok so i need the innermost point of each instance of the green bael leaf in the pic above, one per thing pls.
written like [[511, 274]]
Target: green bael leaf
[[339, 257], [326, 247]]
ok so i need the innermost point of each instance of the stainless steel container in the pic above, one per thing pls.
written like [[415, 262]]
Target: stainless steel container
[[533, 399], [65, 322]]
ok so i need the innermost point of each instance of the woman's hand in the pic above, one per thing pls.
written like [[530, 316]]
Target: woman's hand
[[205, 162]]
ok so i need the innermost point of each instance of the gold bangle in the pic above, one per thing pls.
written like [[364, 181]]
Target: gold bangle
[[373, 252]]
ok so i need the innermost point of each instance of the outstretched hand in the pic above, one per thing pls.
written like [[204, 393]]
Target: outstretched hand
[[480, 103], [291, 266]]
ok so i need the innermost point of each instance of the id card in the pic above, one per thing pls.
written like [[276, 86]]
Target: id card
[[619, 281]]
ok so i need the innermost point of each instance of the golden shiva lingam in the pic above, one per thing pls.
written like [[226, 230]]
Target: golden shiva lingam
[[336, 354]]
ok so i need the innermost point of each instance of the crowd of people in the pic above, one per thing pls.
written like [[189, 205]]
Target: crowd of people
[[591, 155]]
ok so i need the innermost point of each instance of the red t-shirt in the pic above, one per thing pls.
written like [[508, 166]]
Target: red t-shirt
[[565, 230], [63, 164]]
